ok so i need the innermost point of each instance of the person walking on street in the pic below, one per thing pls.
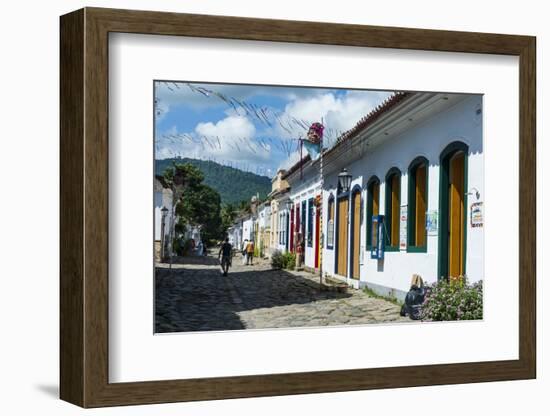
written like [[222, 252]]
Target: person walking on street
[[243, 251], [226, 251], [250, 252]]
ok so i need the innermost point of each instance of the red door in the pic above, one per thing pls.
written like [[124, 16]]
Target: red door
[[317, 242]]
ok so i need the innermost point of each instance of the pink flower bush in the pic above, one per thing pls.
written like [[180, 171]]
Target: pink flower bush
[[452, 300]]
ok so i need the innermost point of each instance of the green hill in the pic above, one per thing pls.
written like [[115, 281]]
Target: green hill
[[233, 185]]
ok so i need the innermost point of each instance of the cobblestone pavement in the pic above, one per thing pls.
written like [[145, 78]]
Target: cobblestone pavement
[[197, 297]]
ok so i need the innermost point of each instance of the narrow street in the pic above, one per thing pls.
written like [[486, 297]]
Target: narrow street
[[197, 297]]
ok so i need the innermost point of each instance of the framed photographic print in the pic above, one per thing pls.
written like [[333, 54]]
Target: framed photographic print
[[254, 207]]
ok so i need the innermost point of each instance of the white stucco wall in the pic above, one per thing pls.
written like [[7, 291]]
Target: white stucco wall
[[235, 235], [429, 138], [280, 232], [248, 229], [274, 242], [162, 198]]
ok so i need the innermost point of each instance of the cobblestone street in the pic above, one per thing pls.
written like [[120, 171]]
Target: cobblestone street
[[197, 297]]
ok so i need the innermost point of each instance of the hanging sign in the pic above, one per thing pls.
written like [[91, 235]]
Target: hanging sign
[[377, 238], [431, 222], [476, 214]]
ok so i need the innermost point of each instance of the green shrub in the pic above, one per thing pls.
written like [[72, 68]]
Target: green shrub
[[452, 300], [289, 260], [281, 260], [277, 260]]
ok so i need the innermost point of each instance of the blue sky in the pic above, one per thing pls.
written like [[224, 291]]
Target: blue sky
[[251, 127]]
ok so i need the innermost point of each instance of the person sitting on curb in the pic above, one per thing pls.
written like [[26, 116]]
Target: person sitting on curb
[[414, 299]]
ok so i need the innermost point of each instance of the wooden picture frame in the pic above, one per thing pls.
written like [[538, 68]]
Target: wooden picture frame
[[84, 207]]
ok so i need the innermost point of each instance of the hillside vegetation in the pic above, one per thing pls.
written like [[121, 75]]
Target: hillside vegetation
[[232, 184]]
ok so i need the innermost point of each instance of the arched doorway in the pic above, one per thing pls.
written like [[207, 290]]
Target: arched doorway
[[355, 232], [452, 208]]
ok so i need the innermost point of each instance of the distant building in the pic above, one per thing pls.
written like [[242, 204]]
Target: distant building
[[162, 200], [279, 214], [263, 228]]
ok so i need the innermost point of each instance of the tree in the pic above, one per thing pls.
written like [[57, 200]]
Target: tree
[[228, 214], [198, 204], [189, 174]]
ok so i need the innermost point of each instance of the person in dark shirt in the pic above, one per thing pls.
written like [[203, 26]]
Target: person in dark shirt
[[226, 251]]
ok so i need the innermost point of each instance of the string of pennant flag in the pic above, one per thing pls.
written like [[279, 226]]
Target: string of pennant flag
[[295, 127]]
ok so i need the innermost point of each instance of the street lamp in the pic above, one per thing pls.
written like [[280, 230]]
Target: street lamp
[[178, 184], [164, 212], [344, 179]]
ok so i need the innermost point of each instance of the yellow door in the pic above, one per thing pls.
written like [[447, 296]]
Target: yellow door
[[375, 199], [343, 206], [456, 215], [395, 220], [356, 233]]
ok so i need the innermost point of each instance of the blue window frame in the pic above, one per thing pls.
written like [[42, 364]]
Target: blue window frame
[[303, 219]]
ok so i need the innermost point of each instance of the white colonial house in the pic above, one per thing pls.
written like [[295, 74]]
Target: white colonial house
[[248, 228], [414, 204], [278, 198], [162, 212], [263, 228], [235, 233]]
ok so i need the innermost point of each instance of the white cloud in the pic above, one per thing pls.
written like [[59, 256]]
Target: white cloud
[[338, 113], [230, 127], [231, 139], [292, 159]]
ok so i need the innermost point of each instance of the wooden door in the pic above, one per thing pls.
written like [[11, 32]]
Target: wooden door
[[356, 203], [420, 206], [395, 214], [456, 215], [343, 206]]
